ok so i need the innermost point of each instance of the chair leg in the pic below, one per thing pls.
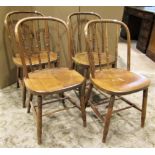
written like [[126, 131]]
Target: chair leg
[[86, 73], [114, 65], [56, 64], [24, 95], [73, 65], [18, 76], [62, 96], [108, 117], [39, 120], [82, 103], [144, 105], [29, 105], [88, 94]]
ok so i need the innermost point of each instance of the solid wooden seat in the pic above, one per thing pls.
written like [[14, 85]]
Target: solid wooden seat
[[82, 59], [119, 81], [50, 80], [34, 59], [115, 82], [42, 80]]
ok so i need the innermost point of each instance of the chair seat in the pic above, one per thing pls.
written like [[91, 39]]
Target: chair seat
[[34, 59], [82, 59], [52, 80], [119, 81]]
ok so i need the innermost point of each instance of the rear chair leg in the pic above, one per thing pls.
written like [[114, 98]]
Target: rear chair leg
[[107, 118], [18, 76], [114, 65], [144, 105], [24, 95], [73, 65], [86, 73], [63, 100], [28, 104], [88, 94], [39, 120], [82, 103]]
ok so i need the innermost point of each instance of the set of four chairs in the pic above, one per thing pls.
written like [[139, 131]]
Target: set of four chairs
[[53, 56]]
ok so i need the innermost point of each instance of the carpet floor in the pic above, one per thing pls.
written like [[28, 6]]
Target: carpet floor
[[65, 129]]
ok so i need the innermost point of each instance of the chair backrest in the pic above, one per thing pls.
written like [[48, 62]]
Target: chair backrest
[[43, 35], [10, 21], [76, 22], [101, 35]]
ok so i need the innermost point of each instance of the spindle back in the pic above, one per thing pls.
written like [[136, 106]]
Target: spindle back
[[42, 36], [101, 36]]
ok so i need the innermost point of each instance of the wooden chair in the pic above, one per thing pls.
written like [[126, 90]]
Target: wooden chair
[[51, 79], [10, 21], [76, 22], [113, 81]]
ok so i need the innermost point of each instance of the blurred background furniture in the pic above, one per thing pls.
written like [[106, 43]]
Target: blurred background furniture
[[151, 46], [113, 81], [140, 21]]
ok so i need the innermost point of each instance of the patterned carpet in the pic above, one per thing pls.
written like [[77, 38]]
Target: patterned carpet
[[64, 129]]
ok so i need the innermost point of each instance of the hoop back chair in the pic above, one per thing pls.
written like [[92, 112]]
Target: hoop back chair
[[113, 81], [51, 79], [76, 22], [10, 21]]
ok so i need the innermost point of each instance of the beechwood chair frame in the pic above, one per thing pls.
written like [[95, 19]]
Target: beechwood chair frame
[[80, 31], [8, 15], [37, 110], [112, 94], [19, 72], [18, 63]]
